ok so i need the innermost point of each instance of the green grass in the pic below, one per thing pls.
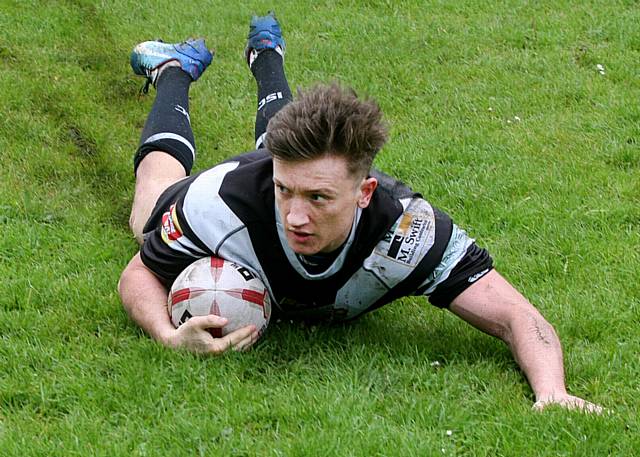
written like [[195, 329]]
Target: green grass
[[554, 196]]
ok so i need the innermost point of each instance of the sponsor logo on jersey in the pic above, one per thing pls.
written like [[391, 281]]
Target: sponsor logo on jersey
[[171, 230], [406, 242]]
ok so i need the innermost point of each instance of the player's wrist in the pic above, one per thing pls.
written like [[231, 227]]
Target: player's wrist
[[167, 337]]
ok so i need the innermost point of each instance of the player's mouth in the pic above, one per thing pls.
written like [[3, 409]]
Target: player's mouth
[[300, 237]]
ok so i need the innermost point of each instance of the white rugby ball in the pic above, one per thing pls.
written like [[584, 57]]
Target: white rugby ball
[[217, 286]]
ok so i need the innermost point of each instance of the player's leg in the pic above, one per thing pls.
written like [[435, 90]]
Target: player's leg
[[167, 147], [265, 56]]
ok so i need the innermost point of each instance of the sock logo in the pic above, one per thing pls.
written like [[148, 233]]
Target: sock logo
[[268, 99], [181, 110]]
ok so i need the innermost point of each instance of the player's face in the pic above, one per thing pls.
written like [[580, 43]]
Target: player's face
[[317, 201]]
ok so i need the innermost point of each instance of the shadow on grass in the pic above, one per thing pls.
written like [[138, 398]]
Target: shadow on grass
[[401, 333]]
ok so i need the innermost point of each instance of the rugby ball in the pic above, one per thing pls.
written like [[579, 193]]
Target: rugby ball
[[217, 286]]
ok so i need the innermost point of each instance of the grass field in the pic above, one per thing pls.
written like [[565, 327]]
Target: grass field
[[500, 116]]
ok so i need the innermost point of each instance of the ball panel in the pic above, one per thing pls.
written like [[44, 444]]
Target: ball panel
[[215, 309], [215, 286], [216, 264], [186, 293], [254, 297]]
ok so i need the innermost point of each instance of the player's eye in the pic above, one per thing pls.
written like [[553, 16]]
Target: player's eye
[[281, 189], [318, 197]]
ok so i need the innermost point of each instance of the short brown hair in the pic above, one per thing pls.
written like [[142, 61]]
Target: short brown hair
[[328, 119]]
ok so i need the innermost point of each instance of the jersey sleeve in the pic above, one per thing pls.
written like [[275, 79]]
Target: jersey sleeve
[[474, 265], [167, 250], [463, 263], [190, 221]]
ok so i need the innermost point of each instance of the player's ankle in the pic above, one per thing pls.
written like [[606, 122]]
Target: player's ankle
[[164, 66], [254, 54]]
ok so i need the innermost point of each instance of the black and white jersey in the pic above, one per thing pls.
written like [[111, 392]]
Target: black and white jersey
[[399, 245]]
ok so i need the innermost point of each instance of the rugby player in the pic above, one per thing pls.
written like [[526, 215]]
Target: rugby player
[[330, 237]]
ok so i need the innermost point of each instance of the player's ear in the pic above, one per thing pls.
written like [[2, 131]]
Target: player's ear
[[367, 187]]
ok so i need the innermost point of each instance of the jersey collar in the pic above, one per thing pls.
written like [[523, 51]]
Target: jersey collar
[[293, 258]]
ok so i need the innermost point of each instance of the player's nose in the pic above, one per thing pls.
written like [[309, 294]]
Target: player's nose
[[297, 216]]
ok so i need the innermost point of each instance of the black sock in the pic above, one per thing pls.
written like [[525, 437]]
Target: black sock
[[168, 126], [273, 89]]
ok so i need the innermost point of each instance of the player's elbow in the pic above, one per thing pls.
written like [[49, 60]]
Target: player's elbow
[[530, 325]]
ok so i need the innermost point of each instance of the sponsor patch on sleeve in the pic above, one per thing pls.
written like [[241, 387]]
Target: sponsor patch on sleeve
[[171, 230], [411, 237]]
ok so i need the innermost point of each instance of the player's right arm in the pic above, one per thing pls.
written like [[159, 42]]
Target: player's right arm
[[144, 297]]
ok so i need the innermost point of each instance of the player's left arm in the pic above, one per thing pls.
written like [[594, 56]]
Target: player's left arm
[[494, 306]]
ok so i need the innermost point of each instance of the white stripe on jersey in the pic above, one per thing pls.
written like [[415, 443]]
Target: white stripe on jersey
[[454, 252], [184, 245], [216, 225]]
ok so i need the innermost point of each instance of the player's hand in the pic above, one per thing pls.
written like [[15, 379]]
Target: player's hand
[[569, 402], [194, 336]]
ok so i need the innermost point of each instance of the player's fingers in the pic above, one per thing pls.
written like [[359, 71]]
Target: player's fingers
[[582, 405], [239, 335], [593, 408], [220, 345], [588, 407], [539, 405], [571, 403], [208, 321], [249, 341]]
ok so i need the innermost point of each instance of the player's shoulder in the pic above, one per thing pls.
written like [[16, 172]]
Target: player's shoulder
[[411, 235], [206, 186], [258, 156], [230, 193]]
